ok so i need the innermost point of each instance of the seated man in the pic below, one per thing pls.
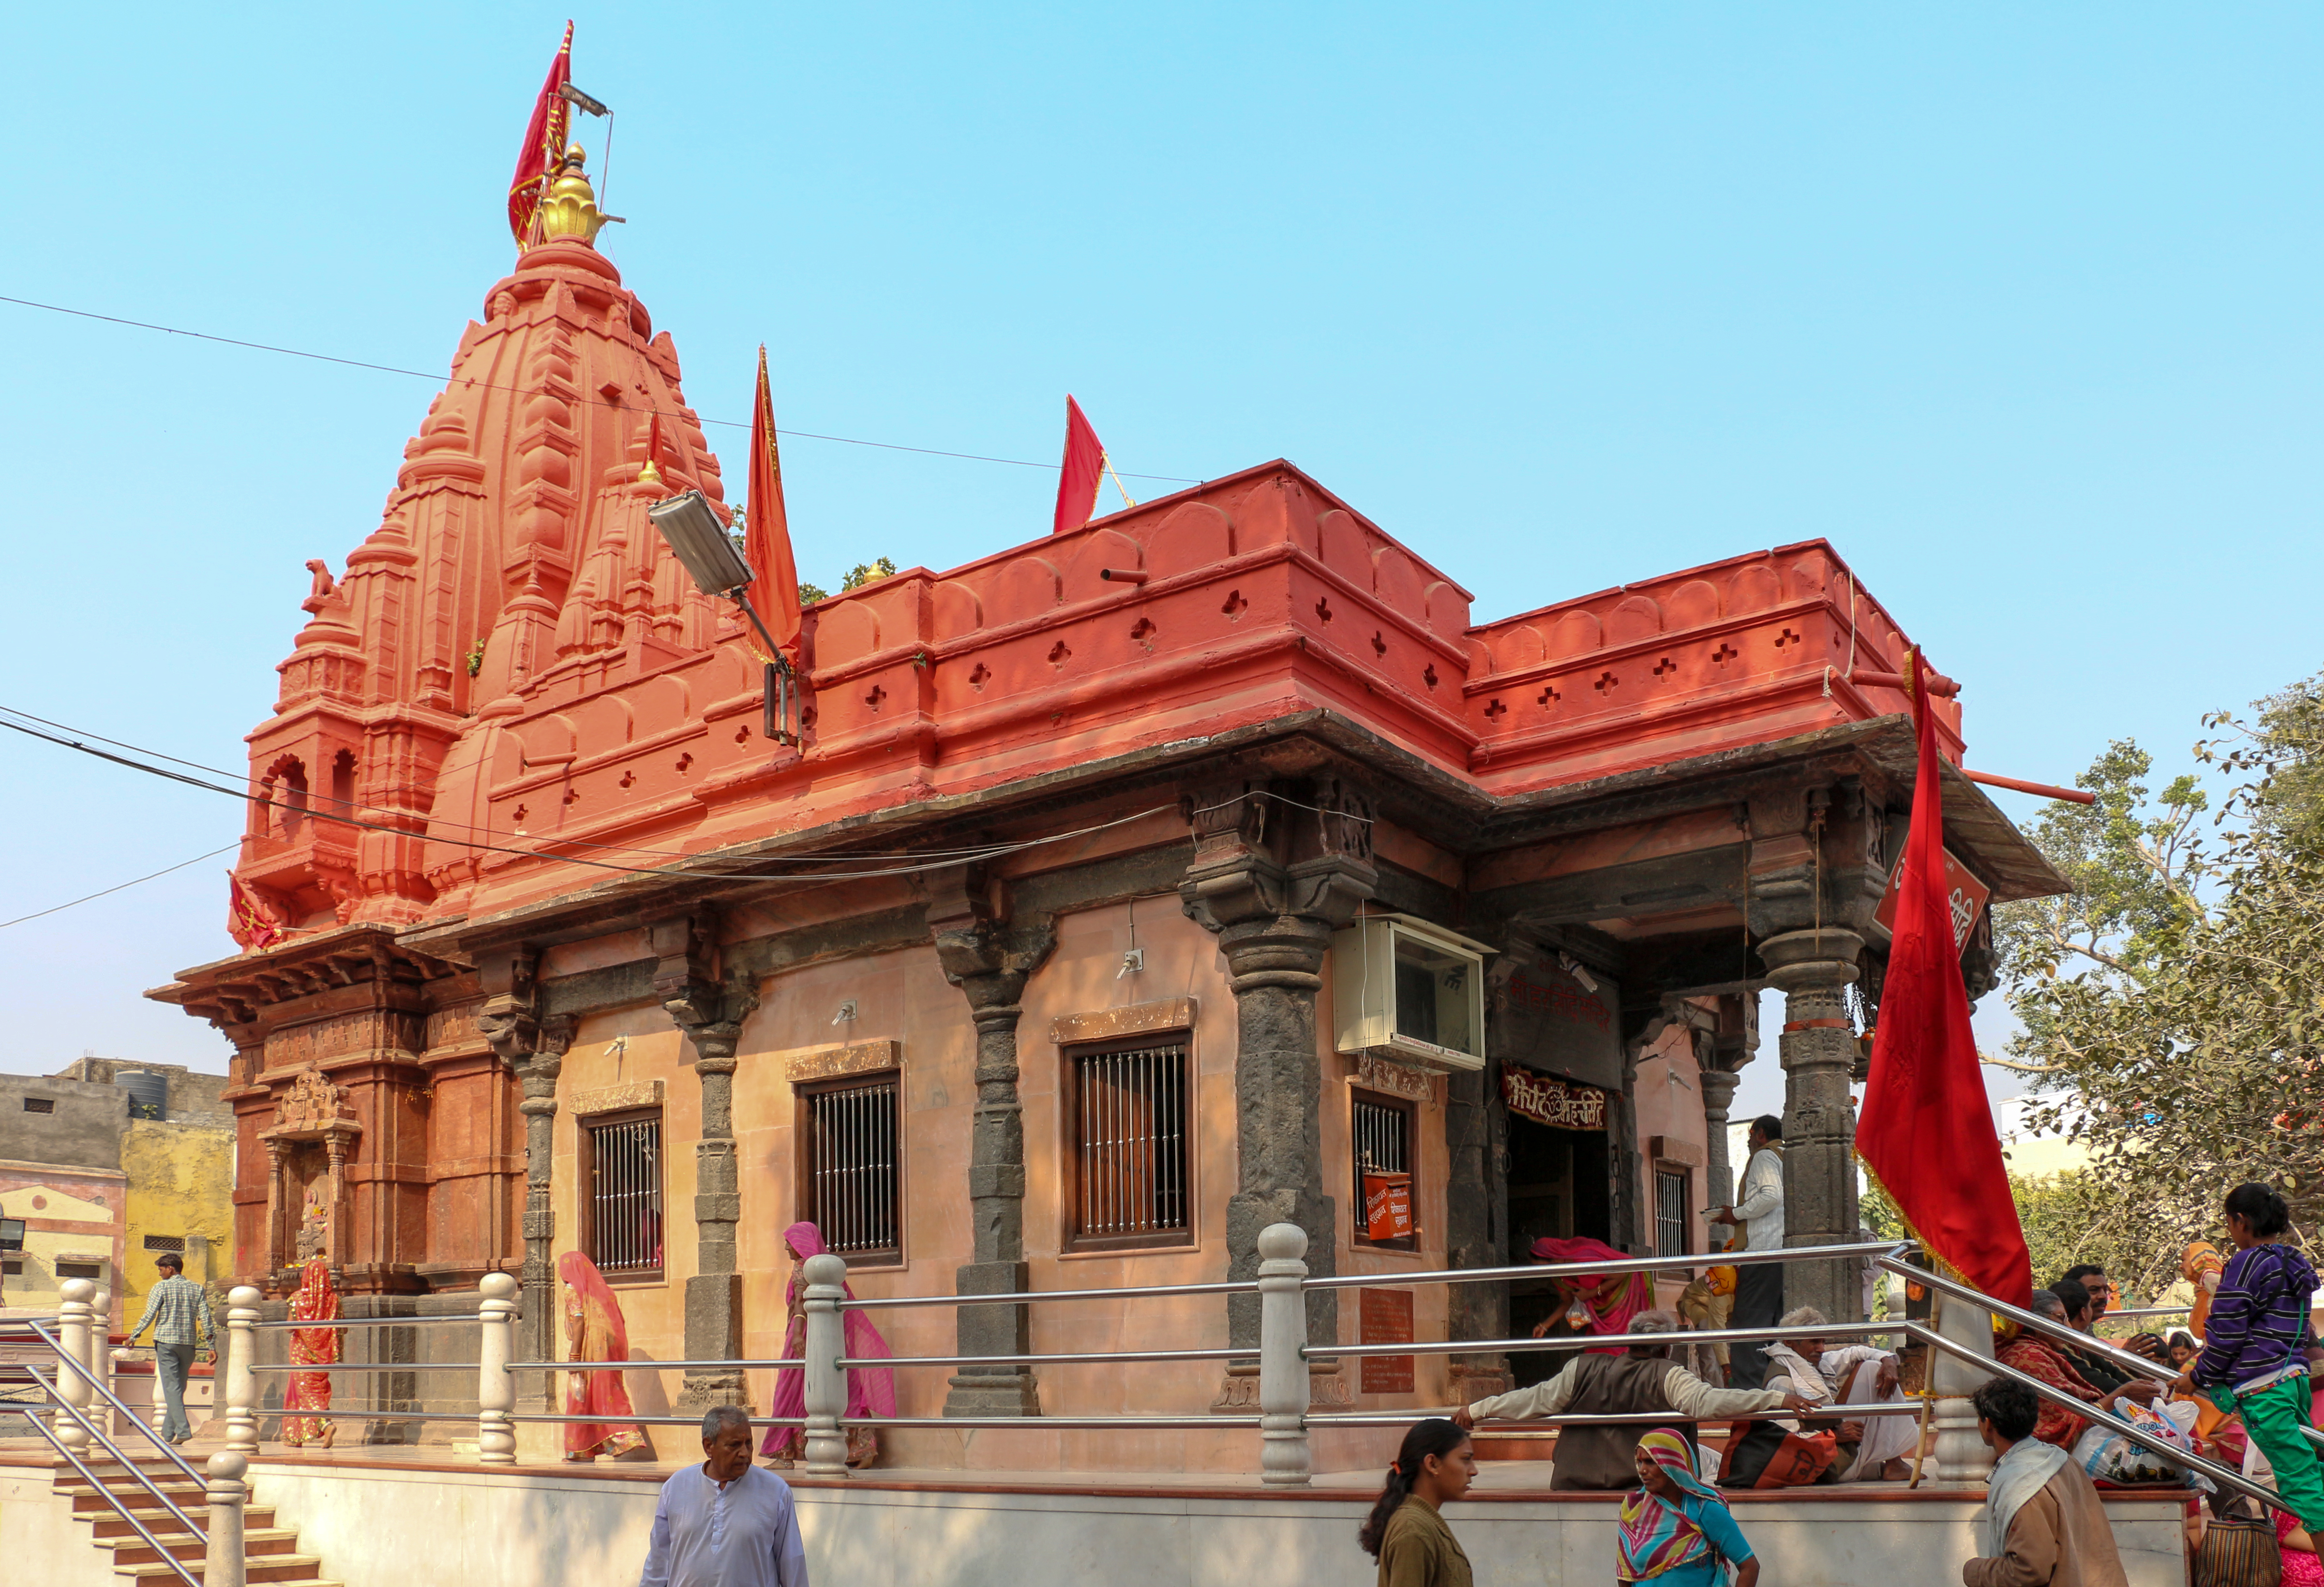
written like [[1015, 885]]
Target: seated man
[[1642, 1379], [2043, 1522], [2081, 1315], [2043, 1358], [1872, 1449]]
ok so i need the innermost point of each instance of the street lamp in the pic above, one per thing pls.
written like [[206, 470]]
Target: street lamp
[[699, 540]]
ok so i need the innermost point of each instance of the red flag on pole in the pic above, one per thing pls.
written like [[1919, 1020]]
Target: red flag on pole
[[767, 537], [1083, 470], [249, 921], [1926, 1134], [544, 143]]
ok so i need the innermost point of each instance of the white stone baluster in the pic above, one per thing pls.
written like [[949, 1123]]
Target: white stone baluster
[[242, 1305], [1962, 1459], [222, 1561], [1283, 1456], [496, 1385], [72, 1336], [100, 1359], [826, 1384]]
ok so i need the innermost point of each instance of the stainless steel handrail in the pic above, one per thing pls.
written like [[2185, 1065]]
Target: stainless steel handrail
[[2065, 1334], [635, 1366], [98, 1384], [374, 1367], [1595, 1341], [155, 1543], [1070, 1358], [57, 1402], [1730, 1258], [1240, 1286], [1844, 1413], [2100, 1413], [470, 1319]]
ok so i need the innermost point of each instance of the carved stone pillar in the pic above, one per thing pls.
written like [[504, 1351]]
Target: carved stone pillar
[[1476, 1233], [989, 960], [1274, 880], [534, 1049], [1818, 1047], [1717, 1174], [278, 1207], [711, 1015]]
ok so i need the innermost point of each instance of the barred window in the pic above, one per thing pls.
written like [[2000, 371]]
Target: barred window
[[1127, 1114], [850, 1187], [175, 1242], [1380, 1142], [40, 1104], [622, 1229], [1670, 1212], [80, 1270]]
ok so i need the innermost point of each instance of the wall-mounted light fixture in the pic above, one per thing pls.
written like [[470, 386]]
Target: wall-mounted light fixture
[[846, 1012], [699, 540]]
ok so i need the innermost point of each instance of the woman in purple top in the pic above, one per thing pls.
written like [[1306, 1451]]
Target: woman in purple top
[[2254, 1357]]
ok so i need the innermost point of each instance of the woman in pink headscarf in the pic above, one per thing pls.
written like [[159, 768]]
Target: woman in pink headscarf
[[593, 1332], [1605, 1306], [871, 1390], [310, 1395]]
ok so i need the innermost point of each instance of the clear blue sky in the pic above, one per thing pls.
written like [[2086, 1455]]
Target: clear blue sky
[[2017, 305]]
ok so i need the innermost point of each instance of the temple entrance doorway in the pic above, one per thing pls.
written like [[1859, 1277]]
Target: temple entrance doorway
[[1558, 1188]]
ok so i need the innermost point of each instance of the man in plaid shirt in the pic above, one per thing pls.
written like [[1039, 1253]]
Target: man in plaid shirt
[[179, 1310]]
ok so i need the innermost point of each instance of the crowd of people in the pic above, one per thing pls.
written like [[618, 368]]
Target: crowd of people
[[2242, 1375]]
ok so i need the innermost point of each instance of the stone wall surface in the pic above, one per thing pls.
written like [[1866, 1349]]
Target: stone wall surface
[[374, 1528]]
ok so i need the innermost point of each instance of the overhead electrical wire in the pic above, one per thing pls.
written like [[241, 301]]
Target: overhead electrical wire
[[133, 881], [809, 434]]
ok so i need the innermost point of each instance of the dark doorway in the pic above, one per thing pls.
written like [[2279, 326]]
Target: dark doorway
[[1558, 1186]]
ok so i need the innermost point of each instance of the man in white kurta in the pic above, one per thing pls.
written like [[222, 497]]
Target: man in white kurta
[[725, 1523], [1852, 1374]]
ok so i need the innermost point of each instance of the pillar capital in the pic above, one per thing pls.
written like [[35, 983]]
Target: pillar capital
[[1815, 960]]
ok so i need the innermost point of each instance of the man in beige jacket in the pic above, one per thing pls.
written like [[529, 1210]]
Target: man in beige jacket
[[2042, 1521]]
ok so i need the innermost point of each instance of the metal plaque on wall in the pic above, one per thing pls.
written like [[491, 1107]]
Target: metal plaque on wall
[[1384, 1316]]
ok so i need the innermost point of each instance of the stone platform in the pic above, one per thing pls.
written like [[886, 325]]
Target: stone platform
[[397, 1516]]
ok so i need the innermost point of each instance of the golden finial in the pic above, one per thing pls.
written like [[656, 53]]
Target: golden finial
[[648, 474], [570, 209]]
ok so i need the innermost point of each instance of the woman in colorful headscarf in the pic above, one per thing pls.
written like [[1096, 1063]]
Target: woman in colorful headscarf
[[595, 1331], [1675, 1529], [317, 1301], [871, 1390], [1605, 1307]]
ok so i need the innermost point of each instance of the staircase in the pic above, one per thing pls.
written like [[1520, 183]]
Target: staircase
[[270, 1552]]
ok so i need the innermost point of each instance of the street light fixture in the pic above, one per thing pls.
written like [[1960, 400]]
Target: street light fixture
[[699, 540]]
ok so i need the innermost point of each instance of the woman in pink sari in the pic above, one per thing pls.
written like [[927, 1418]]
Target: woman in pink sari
[[593, 1332], [1605, 1306], [871, 1390], [317, 1301]]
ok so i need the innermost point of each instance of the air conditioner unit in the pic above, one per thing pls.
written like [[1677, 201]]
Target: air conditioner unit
[[1405, 989]]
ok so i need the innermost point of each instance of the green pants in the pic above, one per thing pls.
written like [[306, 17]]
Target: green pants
[[2274, 1417]]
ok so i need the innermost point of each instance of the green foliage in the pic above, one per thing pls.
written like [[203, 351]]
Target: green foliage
[[2173, 1006], [809, 593]]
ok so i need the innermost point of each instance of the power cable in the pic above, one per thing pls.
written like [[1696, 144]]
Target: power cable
[[149, 876], [807, 435]]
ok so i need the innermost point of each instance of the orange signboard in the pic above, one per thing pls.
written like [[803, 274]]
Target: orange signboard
[[1387, 1206], [1966, 893]]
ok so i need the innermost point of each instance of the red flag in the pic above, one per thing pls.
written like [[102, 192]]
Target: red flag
[[1084, 469], [767, 537], [544, 143], [1926, 1134], [249, 921]]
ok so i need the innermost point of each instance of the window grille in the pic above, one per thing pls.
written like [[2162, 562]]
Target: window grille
[[1129, 1118], [40, 1104], [11, 1265], [625, 1213], [1379, 1136], [94, 1270], [175, 1242], [1670, 1212], [852, 1191]]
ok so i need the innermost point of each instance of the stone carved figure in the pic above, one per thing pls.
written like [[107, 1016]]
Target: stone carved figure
[[312, 1103]]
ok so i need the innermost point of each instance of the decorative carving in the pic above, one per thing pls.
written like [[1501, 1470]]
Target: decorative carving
[[311, 1106], [615, 1099], [1376, 1071], [858, 1058], [1176, 1014]]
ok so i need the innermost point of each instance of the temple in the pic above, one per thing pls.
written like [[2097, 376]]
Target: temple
[[1130, 888]]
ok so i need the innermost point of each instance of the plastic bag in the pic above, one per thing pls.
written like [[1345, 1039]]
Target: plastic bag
[[2109, 1456]]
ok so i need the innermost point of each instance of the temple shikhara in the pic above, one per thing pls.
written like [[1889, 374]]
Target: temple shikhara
[[1130, 888]]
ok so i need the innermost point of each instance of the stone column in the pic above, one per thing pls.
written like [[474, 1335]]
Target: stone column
[[711, 1015], [990, 961], [1818, 1047], [1717, 1174], [1476, 1233], [534, 1049], [1274, 880]]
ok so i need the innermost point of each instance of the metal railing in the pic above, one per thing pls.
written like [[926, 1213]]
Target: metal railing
[[76, 1404], [1959, 1346]]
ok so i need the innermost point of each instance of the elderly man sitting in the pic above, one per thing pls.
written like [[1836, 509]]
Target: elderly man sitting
[[1642, 1380], [1854, 1374]]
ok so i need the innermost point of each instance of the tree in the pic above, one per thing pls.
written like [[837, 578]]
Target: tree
[[2174, 1004]]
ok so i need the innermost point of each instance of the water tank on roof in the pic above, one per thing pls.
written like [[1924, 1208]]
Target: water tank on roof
[[149, 1093]]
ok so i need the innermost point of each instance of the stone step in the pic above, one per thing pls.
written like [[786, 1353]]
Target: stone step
[[273, 1568], [133, 1550], [87, 1500], [110, 1524]]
